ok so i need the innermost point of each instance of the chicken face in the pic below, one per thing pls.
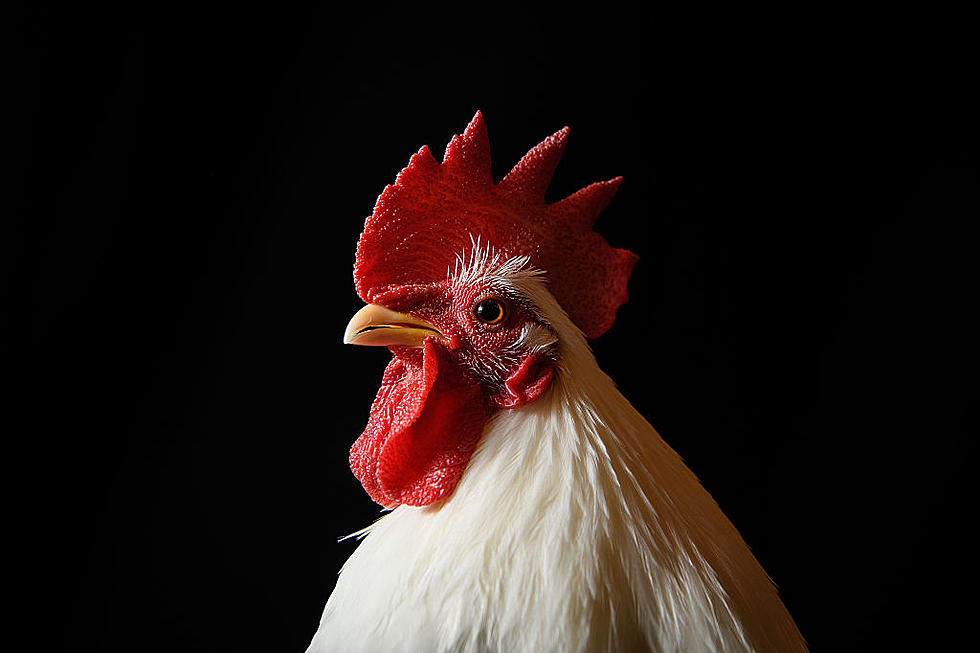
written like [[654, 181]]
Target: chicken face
[[466, 334], [463, 348]]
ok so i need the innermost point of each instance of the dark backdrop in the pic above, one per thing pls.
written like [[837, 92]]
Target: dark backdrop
[[798, 186]]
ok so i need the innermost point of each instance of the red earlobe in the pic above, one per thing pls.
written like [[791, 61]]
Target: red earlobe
[[528, 383]]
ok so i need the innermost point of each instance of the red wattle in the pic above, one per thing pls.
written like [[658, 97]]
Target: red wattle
[[424, 426]]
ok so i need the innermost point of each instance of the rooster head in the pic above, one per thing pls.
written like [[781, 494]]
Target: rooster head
[[453, 268]]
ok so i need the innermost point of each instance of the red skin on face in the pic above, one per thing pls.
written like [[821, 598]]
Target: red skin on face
[[429, 414], [434, 401]]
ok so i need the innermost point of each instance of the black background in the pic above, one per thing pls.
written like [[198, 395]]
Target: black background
[[799, 187]]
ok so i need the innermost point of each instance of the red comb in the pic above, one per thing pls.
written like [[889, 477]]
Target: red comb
[[434, 211]]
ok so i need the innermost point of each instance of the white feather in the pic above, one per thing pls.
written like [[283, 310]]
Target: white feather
[[575, 528]]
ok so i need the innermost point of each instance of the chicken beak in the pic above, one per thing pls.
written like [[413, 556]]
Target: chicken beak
[[378, 326]]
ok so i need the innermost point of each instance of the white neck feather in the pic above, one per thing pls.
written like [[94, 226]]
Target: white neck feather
[[574, 528]]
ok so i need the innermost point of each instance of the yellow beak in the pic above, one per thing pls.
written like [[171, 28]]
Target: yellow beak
[[378, 326]]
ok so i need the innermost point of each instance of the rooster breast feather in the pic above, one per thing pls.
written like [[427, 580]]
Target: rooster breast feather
[[574, 528]]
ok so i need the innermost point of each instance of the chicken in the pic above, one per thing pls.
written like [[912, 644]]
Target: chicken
[[532, 507]]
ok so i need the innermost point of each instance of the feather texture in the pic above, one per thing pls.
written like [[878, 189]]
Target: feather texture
[[575, 528]]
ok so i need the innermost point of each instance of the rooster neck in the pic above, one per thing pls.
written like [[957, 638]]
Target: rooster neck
[[575, 527]]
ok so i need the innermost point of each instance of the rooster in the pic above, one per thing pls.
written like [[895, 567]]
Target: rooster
[[533, 509]]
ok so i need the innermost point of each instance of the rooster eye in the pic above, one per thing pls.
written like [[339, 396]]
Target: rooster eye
[[490, 311]]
